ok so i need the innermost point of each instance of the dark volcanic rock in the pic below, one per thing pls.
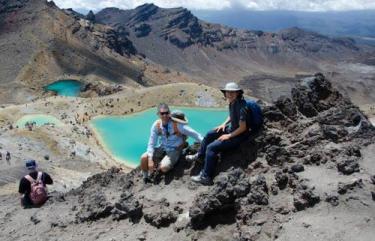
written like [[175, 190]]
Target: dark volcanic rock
[[348, 167], [305, 197], [372, 178], [259, 192], [94, 207], [180, 39], [91, 16], [221, 196], [281, 179], [301, 99], [353, 151], [160, 214], [316, 94], [10, 6], [333, 133], [273, 114], [332, 199], [99, 90], [120, 43], [343, 188], [276, 155], [287, 107], [144, 12], [142, 30], [297, 168], [127, 207]]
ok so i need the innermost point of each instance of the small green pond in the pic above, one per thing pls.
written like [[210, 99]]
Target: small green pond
[[66, 87], [38, 120]]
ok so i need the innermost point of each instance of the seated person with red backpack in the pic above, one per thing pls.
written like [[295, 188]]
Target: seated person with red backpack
[[33, 186]]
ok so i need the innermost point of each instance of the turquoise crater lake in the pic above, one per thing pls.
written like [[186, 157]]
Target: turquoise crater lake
[[66, 87], [126, 137]]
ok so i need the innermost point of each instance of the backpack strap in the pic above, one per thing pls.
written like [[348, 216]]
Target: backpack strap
[[39, 178], [176, 131], [158, 126], [30, 179]]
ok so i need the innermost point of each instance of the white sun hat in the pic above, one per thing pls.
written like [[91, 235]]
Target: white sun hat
[[231, 86]]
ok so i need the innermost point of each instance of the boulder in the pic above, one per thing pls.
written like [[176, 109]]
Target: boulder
[[348, 167]]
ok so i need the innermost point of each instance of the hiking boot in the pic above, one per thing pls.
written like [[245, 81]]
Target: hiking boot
[[202, 179], [146, 180], [192, 158]]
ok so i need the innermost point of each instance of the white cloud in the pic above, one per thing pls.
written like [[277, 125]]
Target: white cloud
[[303, 5], [308, 5]]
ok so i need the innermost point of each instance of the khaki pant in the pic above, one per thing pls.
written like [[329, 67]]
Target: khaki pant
[[168, 159]]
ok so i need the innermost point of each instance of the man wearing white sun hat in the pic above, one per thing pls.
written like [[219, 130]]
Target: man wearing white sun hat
[[224, 137]]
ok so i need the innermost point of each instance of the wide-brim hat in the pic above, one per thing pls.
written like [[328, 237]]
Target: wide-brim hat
[[179, 116], [231, 86]]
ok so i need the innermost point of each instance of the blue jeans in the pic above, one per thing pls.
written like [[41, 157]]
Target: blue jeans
[[210, 148]]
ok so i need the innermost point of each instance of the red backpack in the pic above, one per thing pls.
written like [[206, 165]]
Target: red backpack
[[38, 194]]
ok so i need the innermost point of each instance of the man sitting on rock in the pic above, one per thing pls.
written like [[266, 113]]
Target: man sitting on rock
[[33, 186], [166, 142], [224, 137]]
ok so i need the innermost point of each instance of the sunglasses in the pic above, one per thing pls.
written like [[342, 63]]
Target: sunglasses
[[164, 113]]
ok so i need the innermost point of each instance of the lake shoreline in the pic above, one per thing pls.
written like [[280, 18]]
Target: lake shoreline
[[102, 144]]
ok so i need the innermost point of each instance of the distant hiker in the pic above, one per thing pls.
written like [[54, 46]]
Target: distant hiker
[[244, 117], [1, 156], [7, 156], [33, 186], [167, 140]]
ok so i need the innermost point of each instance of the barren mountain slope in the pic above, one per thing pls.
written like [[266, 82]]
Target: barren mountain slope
[[267, 62], [41, 43]]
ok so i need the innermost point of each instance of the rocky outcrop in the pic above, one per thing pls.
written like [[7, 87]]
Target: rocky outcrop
[[304, 197], [222, 196], [161, 214], [90, 90], [142, 30], [91, 16], [181, 28]]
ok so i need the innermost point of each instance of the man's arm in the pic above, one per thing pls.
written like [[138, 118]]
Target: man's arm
[[152, 141], [47, 179], [188, 131], [242, 128], [22, 187]]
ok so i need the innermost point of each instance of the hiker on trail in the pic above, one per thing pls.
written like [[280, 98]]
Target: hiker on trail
[[33, 186], [7, 156], [167, 140], [226, 137]]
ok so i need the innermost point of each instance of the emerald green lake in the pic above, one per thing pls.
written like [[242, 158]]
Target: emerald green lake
[[65, 87], [126, 137], [38, 119]]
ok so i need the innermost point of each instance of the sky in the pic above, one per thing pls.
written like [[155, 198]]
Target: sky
[[297, 5]]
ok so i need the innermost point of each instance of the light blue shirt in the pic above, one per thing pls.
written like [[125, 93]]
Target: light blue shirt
[[172, 142]]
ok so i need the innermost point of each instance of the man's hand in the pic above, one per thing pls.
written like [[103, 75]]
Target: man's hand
[[220, 128], [224, 137], [151, 164]]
